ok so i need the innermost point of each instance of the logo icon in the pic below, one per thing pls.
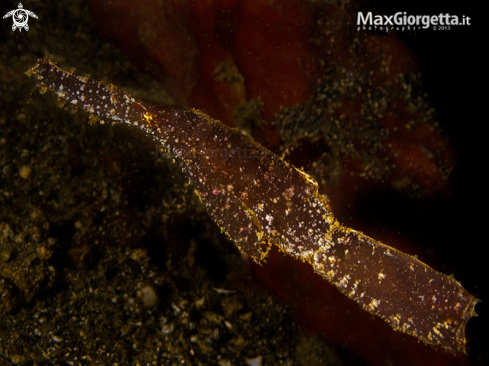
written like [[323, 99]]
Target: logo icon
[[20, 17]]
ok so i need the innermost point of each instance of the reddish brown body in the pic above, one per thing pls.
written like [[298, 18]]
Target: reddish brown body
[[259, 200]]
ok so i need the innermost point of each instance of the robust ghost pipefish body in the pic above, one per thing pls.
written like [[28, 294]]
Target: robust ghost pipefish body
[[259, 200]]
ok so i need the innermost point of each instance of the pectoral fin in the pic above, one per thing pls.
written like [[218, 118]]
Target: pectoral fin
[[238, 221]]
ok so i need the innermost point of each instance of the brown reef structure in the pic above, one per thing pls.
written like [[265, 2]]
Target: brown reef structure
[[261, 202]]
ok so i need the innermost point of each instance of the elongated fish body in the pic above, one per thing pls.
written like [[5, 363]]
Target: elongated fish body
[[259, 200]]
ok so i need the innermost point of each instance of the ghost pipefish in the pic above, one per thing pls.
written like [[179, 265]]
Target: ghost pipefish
[[259, 200]]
